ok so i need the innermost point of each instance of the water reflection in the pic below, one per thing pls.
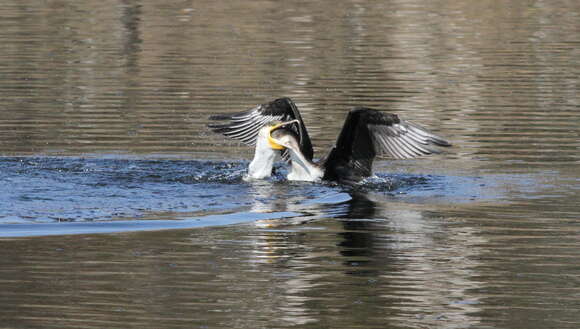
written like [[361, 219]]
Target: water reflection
[[405, 246], [380, 259], [391, 260]]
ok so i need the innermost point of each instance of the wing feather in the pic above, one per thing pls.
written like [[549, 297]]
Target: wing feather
[[418, 148], [245, 126], [368, 133]]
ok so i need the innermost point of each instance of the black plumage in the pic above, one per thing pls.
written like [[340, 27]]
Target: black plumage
[[244, 126], [366, 134]]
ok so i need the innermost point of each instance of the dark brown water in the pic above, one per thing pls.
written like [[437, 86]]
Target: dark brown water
[[103, 107]]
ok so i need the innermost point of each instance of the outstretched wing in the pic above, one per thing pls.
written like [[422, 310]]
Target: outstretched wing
[[368, 133], [244, 126]]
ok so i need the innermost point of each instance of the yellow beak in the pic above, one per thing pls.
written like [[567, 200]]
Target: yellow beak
[[273, 144]]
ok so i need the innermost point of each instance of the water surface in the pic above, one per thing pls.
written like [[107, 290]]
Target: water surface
[[118, 208]]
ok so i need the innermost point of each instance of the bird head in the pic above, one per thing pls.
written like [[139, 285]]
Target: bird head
[[278, 138]]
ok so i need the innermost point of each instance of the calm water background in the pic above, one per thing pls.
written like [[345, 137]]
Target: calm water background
[[103, 107]]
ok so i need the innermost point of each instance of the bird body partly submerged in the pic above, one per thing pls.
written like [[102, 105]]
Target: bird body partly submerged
[[277, 129], [264, 157], [301, 167]]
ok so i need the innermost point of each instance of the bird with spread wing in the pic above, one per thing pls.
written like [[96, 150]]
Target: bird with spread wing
[[277, 130]]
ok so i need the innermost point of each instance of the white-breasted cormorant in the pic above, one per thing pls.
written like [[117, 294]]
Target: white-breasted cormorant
[[276, 128]]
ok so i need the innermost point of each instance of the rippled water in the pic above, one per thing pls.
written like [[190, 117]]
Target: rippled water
[[118, 208]]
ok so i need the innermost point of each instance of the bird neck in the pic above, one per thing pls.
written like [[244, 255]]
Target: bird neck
[[303, 169], [263, 162]]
